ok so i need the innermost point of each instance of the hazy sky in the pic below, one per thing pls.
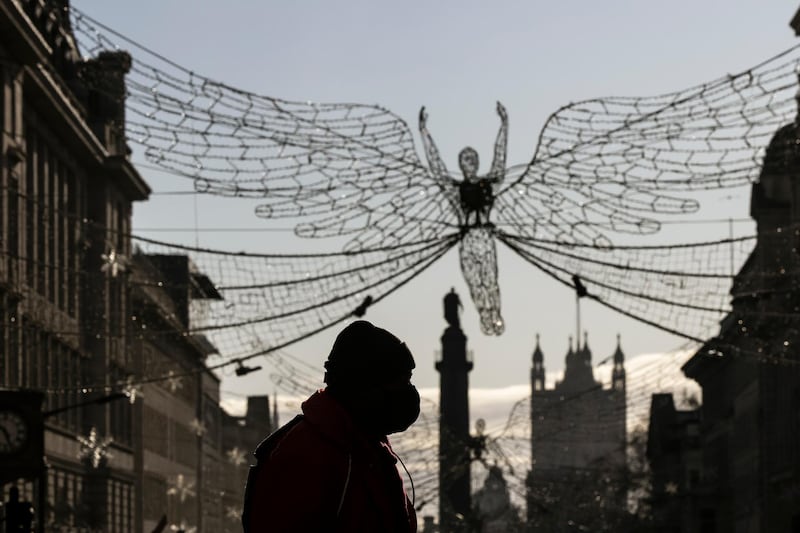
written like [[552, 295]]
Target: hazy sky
[[457, 58]]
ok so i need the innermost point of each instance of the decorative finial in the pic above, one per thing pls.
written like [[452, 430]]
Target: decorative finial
[[795, 23], [619, 357], [538, 357]]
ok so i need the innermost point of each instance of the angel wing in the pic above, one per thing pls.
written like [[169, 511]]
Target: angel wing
[[340, 169], [614, 166], [623, 164], [602, 167]]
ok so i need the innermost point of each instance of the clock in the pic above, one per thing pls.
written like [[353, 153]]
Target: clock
[[13, 432]]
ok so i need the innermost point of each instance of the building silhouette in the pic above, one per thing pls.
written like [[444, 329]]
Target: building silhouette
[[79, 305], [675, 458], [493, 509], [578, 445], [455, 441], [749, 437]]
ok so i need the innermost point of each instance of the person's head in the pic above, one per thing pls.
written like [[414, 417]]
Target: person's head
[[468, 161], [369, 372]]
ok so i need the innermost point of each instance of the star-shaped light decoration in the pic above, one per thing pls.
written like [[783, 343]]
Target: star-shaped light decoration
[[93, 449], [183, 527], [671, 488], [237, 456], [182, 488], [173, 382], [198, 427], [233, 512], [113, 263], [132, 389]]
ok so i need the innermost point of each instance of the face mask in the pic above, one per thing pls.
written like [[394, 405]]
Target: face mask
[[400, 409], [385, 411]]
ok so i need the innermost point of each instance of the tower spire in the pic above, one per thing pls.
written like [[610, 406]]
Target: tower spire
[[586, 353], [618, 374], [578, 375], [537, 371]]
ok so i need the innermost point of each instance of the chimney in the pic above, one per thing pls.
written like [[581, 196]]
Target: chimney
[[105, 78], [258, 413]]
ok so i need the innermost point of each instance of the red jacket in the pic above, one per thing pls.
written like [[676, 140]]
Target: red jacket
[[325, 475]]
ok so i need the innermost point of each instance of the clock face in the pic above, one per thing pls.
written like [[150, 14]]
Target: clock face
[[13, 432]]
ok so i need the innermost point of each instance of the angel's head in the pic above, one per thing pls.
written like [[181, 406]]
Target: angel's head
[[468, 161]]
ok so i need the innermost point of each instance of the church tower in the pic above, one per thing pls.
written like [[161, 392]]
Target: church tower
[[577, 442], [578, 375]]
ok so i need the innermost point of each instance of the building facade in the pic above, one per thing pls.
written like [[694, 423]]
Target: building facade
[[578, 445], [67, 191], [83, 316], [675, 458], [750, 372]]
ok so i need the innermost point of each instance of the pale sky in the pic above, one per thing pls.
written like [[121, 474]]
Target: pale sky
[[457, 58]]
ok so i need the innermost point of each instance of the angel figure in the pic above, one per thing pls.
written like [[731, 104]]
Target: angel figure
[[477, 251], [604, 172]]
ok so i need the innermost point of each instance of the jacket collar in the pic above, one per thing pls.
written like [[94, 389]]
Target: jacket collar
[[331, 419]]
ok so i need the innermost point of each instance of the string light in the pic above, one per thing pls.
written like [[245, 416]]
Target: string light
[[182, 488], [93, 449], [237, 456], [113, 263], [565, 194], [132, 390], [174, 383], [183, 527]]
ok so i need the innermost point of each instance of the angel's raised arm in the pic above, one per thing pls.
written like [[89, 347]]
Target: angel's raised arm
[[438, 169], [497, 172]]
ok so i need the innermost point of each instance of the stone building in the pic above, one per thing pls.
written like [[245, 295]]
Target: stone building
[[675, 459], [176, 418], [82, 313], [66, 191], [240, 436], [578, 445], [750, 372]]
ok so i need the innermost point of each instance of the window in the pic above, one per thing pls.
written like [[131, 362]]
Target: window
[[39, 223], [119, 500], [30, 210], [72, 234], [120, 411], [12, 228]]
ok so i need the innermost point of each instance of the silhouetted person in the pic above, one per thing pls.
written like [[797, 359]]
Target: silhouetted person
[[19, 515], [332, 468]]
